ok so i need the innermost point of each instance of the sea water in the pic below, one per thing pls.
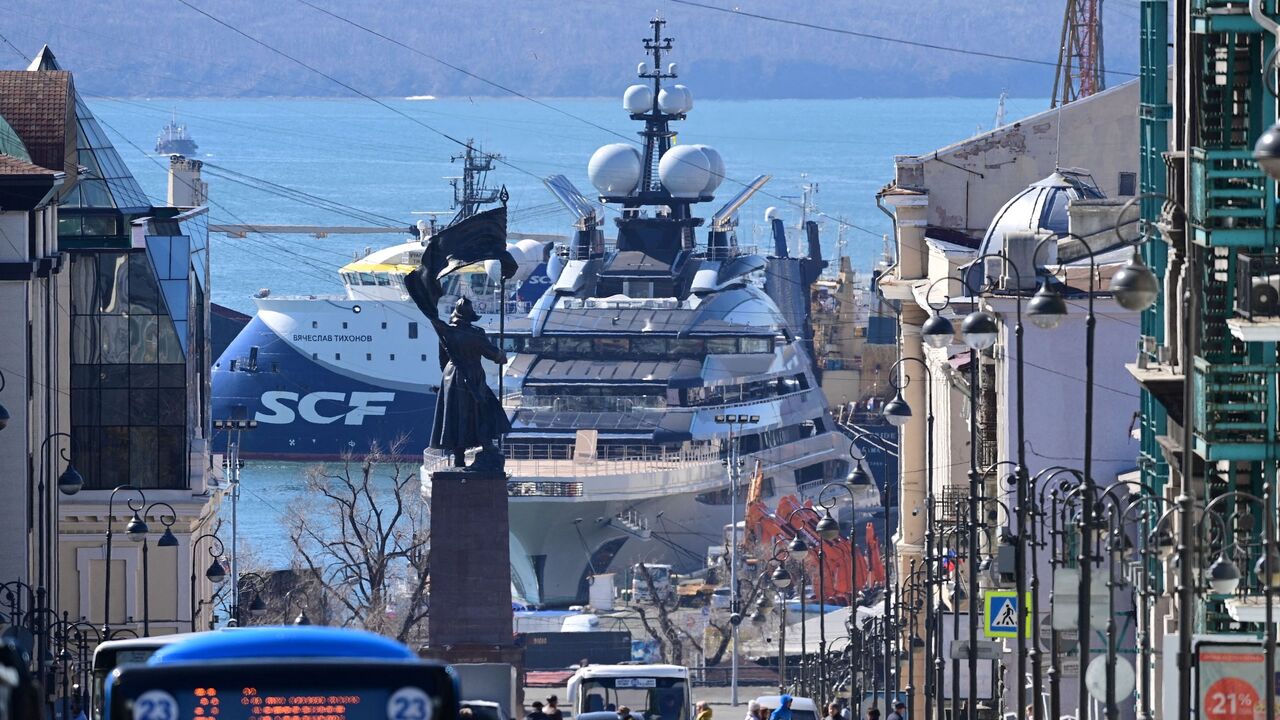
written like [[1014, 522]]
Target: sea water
[[388, 165]]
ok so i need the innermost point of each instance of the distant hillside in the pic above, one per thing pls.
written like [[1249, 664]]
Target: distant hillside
[[553, 47]]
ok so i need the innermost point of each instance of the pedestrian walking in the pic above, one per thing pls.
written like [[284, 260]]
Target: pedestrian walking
[[899, 712], [624, 712], [553, 708], [833, 712], [784, 709], [537, 713], [702, 711], [753, 711], [873, 713]]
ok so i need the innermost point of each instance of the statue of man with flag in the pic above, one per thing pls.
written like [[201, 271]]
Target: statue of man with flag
[[468, 414]]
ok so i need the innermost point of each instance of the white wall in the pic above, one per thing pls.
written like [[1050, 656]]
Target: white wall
[[970, 180]]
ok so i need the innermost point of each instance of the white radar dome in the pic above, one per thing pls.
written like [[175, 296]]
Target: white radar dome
[[770, 213], [675, 100], [685, 170], [615, 169], [637, 99], [717, 169]]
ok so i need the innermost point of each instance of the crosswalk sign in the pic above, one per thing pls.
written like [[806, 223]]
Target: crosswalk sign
[[1001, 614]]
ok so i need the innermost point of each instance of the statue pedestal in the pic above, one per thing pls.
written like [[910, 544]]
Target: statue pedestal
[[470, 556]]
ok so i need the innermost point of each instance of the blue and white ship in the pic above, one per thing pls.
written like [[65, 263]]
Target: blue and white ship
[[328, 375]]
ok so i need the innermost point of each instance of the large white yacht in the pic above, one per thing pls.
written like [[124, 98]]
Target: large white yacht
[[650, 360]]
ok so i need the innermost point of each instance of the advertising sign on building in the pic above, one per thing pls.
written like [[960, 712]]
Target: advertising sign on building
[[1232, 681]]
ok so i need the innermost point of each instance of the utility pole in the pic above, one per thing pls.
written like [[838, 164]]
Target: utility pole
[[732, 461], [232, 463]]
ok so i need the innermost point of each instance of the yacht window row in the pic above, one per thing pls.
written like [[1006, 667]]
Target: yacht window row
[[632, 348]]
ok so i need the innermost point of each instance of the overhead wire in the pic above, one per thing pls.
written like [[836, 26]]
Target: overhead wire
[[883, 38], [628, 138]]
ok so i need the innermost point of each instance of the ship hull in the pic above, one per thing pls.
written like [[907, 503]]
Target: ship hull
[[309, 411]]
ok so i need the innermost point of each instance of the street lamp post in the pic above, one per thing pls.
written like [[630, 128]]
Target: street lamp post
[[1048, 479], [257, 608], [799, 550], [136, 530], [69, 483], [781, 580], [215, 573], [167, 539], [897, 412], [829, 529], [735, 474], [1134, 288]]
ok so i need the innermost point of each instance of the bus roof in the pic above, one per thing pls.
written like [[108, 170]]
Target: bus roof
[[140, 643], [661, 671], [285, 641]]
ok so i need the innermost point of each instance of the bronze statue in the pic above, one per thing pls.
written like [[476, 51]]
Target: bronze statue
[[468, 414]]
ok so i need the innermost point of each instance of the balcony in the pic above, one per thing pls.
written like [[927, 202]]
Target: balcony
[[1229, 204], [1234, 410]]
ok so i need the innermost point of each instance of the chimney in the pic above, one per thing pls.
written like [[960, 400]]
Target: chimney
[[186, 189]]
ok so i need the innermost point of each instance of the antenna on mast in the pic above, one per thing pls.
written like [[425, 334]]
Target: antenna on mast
[[469, 192]]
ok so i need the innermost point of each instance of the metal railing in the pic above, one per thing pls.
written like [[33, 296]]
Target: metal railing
[[546, 460]]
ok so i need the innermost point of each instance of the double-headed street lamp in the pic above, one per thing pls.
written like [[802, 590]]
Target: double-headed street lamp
[[167, 540], [215, 573], [135, 530], [898, 413], [781, 581]]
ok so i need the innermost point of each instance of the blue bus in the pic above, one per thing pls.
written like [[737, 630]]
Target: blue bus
[[283, 673]]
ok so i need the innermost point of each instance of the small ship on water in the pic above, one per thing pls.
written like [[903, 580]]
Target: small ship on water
[[174, 140]]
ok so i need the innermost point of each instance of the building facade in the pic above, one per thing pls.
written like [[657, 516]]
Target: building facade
[[953, 211], [111, 293]]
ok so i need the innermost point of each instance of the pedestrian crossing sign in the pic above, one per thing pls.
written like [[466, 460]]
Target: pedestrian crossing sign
[[1001, 612]]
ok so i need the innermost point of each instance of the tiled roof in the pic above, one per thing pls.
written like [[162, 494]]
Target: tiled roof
[[40, 108], [10, 165]]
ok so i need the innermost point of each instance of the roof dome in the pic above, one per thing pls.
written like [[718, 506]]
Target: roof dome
[[1040, 208]]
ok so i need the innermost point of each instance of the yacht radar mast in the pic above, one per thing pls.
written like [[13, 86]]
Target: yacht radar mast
[[469, 192], [657, 134]]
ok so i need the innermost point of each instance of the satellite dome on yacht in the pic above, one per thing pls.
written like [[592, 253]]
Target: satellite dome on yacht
[[717, 168], [685, 170], [675, 100], [615, 169], [1040, 208], [637, 99]]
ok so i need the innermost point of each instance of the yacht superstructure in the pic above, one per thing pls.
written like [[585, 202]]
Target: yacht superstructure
[[650, 361]]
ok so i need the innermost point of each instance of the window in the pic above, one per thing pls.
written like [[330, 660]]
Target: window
[[344, 326], [129, 374], [610, 347], [424, 357], [1128, 184], [337, 356], [314, 324], [413, 331], [368, 356], [393, 356], [755, 345], [384, 326], [722, 346]]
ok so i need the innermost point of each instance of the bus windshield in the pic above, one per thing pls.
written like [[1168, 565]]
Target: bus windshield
[[652, 698]]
